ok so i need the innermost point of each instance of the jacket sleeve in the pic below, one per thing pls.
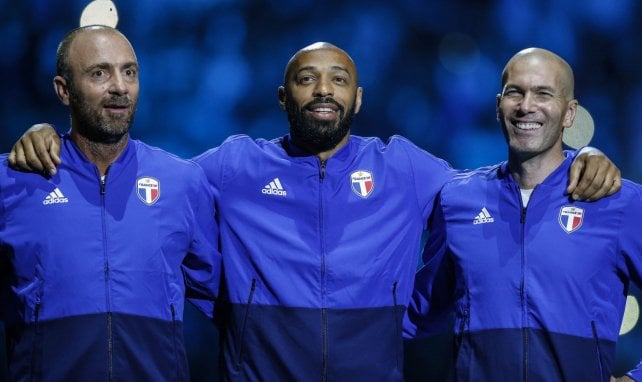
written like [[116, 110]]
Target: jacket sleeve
[[631, 250], [429, 174], [431, 305], [202, 265]]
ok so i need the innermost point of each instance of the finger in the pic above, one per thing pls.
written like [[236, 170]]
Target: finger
[[586, 184], [30, 153], [12, 157], [41, 149], [615, 185], [574, 174], [20, 160], [54, 150], [607, 181]]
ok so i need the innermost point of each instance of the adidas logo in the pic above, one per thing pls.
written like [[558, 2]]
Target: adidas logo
[[483, 217], [274, 188], [55, 197]]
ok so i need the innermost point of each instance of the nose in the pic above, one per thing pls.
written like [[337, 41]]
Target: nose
[[118, 85], [323, 88], [528, 102]]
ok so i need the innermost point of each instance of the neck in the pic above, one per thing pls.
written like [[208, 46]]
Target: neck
[[531, 171], [100, 154]]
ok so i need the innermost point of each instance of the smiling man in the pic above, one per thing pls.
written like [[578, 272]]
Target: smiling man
[[537, 281]]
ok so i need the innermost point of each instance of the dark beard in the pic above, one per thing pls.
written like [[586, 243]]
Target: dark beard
[[96, 127], [317, 136]]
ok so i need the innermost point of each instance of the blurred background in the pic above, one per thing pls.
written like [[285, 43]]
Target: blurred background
[[430, 71]]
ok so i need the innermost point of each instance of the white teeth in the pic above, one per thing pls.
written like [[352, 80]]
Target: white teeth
[[323, 110], [527, 125]]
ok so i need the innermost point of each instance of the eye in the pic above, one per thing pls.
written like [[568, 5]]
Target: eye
[[341, 80], [306, 79], [98, 73], [543, 95], [131, 72], [512, 93]]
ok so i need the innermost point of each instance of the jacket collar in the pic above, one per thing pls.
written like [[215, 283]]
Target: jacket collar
[[559, 175], [76, 158], [343, 154]]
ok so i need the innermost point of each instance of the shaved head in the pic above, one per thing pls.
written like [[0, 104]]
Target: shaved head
[[539, 55], [316, 47]]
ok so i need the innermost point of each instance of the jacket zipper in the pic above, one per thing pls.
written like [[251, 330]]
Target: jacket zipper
[[522, 287], [324, 311], [522, 297], [110, 343]]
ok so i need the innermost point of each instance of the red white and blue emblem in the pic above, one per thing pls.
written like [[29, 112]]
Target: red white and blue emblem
[[571, 218], [148, 190], [362, 183]]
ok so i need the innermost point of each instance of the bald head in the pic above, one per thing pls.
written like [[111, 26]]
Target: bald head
[[63, 67], [315, 47], [538, 57]]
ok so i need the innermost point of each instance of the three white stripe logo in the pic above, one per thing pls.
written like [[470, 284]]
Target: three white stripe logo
[[274, 188], [55, 197]]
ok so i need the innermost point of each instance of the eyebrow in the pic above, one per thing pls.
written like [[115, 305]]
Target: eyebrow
[[334, 68], [105, 65], [534, 88]]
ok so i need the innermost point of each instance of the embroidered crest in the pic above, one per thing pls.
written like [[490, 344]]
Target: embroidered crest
[[362, 183], [571, 218], [148, 190]]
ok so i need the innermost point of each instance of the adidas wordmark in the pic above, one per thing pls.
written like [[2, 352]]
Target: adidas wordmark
[[54, 197], [274, 188], [483, 217]]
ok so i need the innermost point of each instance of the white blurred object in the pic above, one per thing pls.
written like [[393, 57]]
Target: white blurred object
[[99, 12], [581, 132], [631, 315]]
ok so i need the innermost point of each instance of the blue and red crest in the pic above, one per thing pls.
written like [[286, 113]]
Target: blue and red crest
[[362, 183], [571, 218], [148, 190]]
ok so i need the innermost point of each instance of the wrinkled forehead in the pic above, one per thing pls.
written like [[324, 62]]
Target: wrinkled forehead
[[102, 46], [323, 59]]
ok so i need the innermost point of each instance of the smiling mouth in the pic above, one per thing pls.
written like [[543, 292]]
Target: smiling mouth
[[527, 125], [323, 111]]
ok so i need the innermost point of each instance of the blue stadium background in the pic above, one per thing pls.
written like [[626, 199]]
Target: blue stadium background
[[430, 71]]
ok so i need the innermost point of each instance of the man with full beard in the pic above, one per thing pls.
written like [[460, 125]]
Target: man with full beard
[[96, 261], [320, 232]]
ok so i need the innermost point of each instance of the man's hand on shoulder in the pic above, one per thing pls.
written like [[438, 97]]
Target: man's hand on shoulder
[[38, 150], [593, 176]]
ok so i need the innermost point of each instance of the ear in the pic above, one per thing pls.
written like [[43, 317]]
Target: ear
[[357, 100], [282, 97], [62, 89], [571, 111], [498, 100]]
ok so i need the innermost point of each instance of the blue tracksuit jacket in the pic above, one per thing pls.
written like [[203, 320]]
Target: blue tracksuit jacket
[[538, 292], [319, 258], [93, 277]]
